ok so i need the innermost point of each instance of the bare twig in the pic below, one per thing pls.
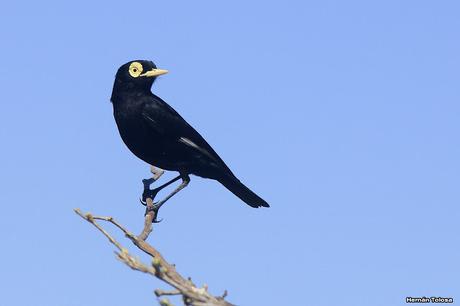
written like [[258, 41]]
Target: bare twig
[[165, 302], [159, 292], [160, 268], [149, 218], [157, 172]]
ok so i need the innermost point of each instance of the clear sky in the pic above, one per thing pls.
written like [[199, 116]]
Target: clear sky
[[343, 115]]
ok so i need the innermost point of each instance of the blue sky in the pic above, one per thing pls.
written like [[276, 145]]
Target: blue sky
[[343, 115]]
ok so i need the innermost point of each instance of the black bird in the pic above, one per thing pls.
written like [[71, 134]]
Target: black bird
[[158, 135]]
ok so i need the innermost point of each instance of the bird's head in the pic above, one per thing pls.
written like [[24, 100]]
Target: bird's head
[[139, 74]]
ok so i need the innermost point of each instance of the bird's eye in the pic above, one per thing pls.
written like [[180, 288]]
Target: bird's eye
[[135, 69]]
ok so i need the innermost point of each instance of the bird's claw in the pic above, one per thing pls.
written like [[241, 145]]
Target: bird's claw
[[154, 209], [148, 193], [157, 221]]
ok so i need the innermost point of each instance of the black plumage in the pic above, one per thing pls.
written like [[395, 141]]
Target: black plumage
[[158, 135]]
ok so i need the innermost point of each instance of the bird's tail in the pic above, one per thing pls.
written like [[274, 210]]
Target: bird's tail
[[243, 192]]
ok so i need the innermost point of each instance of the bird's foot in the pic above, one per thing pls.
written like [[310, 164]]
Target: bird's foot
[[155, 208], [148, 193]]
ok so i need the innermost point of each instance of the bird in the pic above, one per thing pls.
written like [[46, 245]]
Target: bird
[[154, 132]]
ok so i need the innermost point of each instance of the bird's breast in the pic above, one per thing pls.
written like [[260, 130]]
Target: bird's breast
[[146, 143]]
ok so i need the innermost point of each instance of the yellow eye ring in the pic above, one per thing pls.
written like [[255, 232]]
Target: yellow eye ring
[[135, 69]]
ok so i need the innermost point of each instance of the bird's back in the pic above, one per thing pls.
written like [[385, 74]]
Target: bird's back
[[157, 134]]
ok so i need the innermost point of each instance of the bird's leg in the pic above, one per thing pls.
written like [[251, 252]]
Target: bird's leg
[[151, 193], [185, 181]]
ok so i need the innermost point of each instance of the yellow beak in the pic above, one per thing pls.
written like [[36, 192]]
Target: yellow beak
[[154, 72]]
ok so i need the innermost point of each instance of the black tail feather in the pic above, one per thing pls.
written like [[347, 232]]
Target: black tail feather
[[243, 192]]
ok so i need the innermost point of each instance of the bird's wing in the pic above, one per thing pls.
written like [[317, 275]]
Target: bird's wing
[[161, 117]]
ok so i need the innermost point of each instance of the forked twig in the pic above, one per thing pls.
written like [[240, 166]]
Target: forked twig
[[159, 267]]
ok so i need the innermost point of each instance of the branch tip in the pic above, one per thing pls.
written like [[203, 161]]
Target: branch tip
[[165, 302], [160, 268]]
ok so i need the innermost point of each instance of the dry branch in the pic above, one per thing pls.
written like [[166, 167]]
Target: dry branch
[[159, 267]]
